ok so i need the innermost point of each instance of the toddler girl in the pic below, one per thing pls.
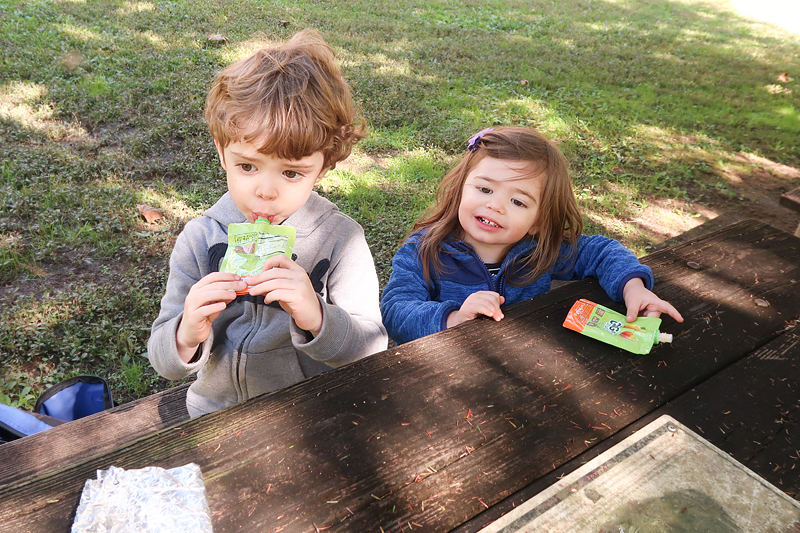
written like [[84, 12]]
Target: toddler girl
[[504, 225]]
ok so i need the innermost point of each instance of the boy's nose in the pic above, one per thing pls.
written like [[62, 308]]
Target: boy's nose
[[266, 191]]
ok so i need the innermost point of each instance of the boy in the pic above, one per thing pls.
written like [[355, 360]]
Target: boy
[[280, 119]]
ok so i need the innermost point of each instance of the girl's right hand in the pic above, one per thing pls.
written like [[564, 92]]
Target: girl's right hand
[[478, 303], [206, 300]]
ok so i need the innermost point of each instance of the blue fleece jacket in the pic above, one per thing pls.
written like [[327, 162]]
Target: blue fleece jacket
[[412, 308]]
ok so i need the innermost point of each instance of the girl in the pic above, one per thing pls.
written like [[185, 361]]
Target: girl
[[504, 225]]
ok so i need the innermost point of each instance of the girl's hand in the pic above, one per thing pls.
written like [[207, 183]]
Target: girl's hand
[[640, 301], [206, 300], [285, 282], [478, 303]]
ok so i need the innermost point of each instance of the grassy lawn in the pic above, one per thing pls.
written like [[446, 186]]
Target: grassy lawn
[[671, 112]]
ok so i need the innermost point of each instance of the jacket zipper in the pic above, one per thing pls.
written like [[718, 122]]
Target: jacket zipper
[[499, 285], [237, 369]]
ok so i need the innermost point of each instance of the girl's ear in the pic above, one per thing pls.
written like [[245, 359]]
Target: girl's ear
[[221, 154], [534, 228]]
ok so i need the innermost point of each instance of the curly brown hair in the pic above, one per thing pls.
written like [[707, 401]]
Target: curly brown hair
[[558, 219], [291, 100]]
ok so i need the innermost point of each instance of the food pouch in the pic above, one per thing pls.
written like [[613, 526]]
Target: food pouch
[[250, 245], [606, 325]]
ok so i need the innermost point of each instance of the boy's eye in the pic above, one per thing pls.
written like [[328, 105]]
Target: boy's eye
[[246, 167], [291, 174]]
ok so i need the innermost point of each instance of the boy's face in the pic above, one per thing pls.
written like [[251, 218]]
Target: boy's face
[[499, 202], [265, 186]]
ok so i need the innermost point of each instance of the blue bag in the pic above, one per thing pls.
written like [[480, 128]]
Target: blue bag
[[75, 398], [15, 423], [66, 401]]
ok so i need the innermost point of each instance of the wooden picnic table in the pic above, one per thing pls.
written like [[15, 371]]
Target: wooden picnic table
[[448, 432]]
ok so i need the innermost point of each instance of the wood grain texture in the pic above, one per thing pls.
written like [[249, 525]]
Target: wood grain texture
[[81, 439], [750, 410], [791, 199], [434, 431]]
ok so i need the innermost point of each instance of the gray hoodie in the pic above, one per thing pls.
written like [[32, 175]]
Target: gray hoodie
[[256, 348]]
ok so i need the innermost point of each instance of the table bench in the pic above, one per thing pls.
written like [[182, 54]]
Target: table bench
[[84, 438], [446, 431], [791, 200]]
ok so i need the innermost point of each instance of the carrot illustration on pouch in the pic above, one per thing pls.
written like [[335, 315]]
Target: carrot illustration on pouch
[[607, 325]]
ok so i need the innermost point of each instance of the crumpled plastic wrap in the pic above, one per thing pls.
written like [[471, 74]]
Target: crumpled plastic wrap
[[147, 500]]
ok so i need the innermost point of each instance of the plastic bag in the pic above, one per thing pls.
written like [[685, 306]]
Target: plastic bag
[[147, 500]]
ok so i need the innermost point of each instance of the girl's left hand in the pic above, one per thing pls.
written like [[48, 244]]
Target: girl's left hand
[[640, 301], [285, 282]]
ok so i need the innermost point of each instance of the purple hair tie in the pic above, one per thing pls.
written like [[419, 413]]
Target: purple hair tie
[[475, 141]]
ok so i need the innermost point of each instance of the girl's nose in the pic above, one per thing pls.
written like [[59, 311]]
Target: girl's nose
[[494, 205]]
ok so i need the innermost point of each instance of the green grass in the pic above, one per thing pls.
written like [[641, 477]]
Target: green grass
[[658, 104]]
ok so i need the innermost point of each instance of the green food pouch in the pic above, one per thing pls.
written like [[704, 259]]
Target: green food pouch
[[251, 244], [607, 325]]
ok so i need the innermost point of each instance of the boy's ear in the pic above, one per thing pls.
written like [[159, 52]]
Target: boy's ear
[[321, 175], [221, 154]]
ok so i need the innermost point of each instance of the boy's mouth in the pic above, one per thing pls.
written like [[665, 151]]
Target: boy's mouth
[[270, 218], [488, 222]]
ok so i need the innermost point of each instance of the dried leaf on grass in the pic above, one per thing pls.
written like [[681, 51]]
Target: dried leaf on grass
[[784, 77], [150, 214], [217, 38]]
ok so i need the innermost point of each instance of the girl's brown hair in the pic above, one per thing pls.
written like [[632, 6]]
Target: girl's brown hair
[[291, 100], [558, 219]]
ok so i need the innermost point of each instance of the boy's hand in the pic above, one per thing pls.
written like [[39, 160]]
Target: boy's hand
[[206, 300], [640, 301], [478, 303], [285, 282]]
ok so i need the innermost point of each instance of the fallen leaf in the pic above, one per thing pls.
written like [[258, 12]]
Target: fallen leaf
[[284, 23], [217, 39], [523, 82], [150, 214], [784, 77], [761, 303]]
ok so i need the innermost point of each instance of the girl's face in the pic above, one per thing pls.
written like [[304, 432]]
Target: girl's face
[[498, 207]]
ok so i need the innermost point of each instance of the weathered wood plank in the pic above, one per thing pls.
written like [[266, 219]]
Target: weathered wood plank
[[791, 199], [458, 420], [81, 439], [749, 410]]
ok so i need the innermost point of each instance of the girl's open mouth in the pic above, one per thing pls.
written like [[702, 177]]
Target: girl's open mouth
[[488, 222]]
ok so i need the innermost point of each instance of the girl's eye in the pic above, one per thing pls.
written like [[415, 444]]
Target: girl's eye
[[485, 190], [246, 167], [518, 203], [291, 174]]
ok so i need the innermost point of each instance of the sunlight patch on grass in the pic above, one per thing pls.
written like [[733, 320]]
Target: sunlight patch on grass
[[80, 33], [17, 92], [667, 217], [135, 7], [231, 54], [783, 13], [390, 66], [170, 201], [157, 41], [38, 118]]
